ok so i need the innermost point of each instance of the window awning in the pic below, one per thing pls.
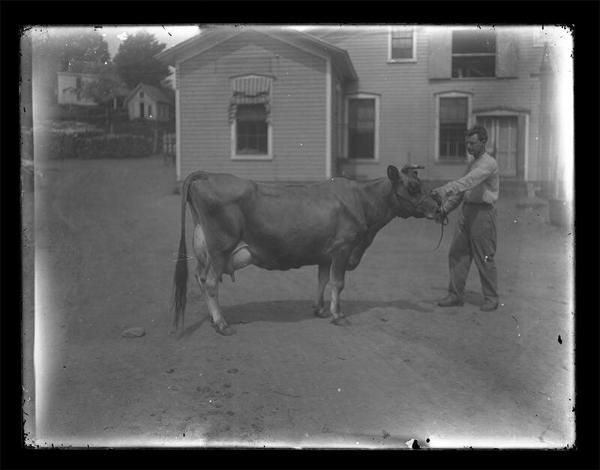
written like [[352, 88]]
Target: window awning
[[249, 89]]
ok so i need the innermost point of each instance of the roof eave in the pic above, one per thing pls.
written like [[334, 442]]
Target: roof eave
[[170, 56]]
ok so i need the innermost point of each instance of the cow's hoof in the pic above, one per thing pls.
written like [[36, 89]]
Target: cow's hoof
[[341, 321], [225, 330], [321, 312]]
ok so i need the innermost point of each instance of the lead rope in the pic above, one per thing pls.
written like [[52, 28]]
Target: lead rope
[[444, 222]]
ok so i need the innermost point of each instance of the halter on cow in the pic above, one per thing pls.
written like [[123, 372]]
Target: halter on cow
[[278, 226]]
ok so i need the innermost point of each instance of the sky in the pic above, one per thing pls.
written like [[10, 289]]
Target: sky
[[113, 35], [168, 34]]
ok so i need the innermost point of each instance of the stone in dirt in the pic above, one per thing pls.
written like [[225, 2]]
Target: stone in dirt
[[135, 332]]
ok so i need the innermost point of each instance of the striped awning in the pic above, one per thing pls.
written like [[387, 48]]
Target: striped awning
[[249, 89]]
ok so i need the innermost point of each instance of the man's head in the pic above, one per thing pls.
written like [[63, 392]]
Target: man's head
[[475, 140]]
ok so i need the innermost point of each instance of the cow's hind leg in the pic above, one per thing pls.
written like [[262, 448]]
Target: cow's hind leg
[[211, 290], [209, 283], [338, 273], [318, 307]]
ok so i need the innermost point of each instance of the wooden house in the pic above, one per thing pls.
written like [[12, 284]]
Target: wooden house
[[149, 102], [71, 88], [275, 103]]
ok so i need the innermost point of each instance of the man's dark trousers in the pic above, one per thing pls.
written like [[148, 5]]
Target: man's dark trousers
[[474, 239]]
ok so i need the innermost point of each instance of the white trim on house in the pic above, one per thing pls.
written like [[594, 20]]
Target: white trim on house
[[347, 98], [470, 120], [413, 59], [328, 109], [178, 134], [526, 154], [517, 114]]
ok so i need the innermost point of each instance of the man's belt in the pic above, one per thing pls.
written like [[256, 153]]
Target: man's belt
[[482, 204]]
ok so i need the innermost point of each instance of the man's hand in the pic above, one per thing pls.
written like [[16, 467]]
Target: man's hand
[[438, 195]]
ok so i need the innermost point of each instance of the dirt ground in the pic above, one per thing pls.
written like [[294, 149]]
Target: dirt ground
[[105, 238]]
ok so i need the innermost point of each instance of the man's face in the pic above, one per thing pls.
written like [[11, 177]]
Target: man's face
[[475, 146]]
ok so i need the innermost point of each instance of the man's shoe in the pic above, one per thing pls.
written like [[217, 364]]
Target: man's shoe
[[489, 306], [450, 301]]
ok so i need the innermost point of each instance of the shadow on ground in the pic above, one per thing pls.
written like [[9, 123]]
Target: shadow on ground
[[296, 311]]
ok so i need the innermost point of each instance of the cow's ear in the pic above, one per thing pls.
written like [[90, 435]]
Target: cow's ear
[[393, 173]]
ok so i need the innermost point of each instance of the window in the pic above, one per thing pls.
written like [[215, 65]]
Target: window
[[141, 94], [249, 115], [402, 44], [252, 130], [142, 110], [453, 123], [150, 111], [473, 53], [78, 83], [362, 128]]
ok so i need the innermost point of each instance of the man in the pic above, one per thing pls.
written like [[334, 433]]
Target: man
[[475, 235]]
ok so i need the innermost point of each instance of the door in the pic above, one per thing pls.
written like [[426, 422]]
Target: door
[[503, 141]]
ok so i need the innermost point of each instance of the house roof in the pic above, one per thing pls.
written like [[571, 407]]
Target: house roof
[[154, 92], [209, 39]]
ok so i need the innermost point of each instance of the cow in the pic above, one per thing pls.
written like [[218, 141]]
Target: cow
[[281, 226]]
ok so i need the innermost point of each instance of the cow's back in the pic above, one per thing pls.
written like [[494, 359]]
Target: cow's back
[[284, 225]]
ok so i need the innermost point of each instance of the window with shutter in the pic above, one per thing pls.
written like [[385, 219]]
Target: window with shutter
[[250, 117], [473, 53]]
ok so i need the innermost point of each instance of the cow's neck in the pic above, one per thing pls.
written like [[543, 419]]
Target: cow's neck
[[377, 208]]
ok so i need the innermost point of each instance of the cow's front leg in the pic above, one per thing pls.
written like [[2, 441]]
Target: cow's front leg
[[211, 288], [318, 307], [338, 273]]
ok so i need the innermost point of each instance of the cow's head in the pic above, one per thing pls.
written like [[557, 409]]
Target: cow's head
[[409, 198]]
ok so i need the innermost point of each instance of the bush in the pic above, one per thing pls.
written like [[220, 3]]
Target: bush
[[113, 146], [91, 145]]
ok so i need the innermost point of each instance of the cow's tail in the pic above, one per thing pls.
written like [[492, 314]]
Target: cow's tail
[[181, 268]]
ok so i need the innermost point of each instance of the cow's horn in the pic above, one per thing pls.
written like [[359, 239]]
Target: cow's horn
[[407, 167]]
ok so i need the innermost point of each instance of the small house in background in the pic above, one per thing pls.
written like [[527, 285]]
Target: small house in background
[[118, 100], [149, 102], [71, 86]]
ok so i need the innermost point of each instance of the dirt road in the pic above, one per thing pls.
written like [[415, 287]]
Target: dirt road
[[106, 235]]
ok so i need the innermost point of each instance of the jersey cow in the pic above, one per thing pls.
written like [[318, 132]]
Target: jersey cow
[[279, 226]]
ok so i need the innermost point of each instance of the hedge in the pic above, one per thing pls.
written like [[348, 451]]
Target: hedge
[[86, 145], [114, 146]]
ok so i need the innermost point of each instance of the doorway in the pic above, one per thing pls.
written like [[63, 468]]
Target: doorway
[[504, 142]]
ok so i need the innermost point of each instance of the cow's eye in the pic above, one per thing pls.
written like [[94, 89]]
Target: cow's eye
[[414, 188]]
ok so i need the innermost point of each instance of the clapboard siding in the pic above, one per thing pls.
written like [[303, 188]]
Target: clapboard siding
[[298, 106], [408, 99]]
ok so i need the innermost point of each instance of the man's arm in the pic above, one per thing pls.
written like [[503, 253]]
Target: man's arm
[[474, 177]]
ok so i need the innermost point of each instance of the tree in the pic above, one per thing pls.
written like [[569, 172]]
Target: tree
[[108, 86], [135, 60], [106, 89], [84, 52], [65, 50]]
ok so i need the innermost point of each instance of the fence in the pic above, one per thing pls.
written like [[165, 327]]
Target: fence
[[169, 148]]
